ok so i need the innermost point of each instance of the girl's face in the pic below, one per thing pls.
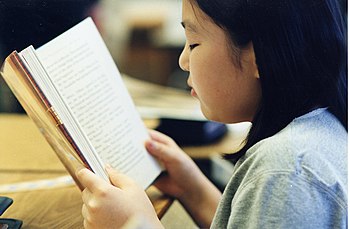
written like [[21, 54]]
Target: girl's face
[[227, 93]]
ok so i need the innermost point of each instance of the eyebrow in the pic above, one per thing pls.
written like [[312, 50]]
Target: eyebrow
[[188, 25]]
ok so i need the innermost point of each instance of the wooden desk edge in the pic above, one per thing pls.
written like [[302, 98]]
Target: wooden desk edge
[[160, 201]]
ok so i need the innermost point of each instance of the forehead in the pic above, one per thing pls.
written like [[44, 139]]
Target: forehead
[[195, 21], [192, 16]]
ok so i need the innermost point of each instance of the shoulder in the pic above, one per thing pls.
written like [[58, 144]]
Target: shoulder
[[301, 171], [315, 141], [310, 152]]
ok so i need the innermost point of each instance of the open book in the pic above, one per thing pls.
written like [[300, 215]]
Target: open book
[[72, 90]]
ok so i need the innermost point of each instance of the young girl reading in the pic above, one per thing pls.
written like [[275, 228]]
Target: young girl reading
[[280, 64]]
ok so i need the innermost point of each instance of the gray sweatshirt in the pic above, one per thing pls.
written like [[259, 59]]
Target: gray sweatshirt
[[294, 179]]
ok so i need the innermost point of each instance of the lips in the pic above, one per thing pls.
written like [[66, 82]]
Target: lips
[[193, 92]]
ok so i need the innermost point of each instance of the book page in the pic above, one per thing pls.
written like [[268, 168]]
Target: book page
[[88, 81]]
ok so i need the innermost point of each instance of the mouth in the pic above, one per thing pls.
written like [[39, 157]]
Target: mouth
[[193, 92]]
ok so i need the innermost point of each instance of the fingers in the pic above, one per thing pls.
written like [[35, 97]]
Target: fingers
[[95, 184], [88, 199], [118, 179], [163, 147], [90, 180], [85, 212], [159, 137], [162, 152], [88, 220], [86, 195]]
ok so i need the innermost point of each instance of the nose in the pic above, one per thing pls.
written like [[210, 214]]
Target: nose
[[183, 60]]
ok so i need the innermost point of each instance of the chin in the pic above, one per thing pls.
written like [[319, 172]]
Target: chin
[[224, 119], [212, 117]]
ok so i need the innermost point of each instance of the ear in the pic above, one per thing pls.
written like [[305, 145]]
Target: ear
[[253, 60], [256, 71]]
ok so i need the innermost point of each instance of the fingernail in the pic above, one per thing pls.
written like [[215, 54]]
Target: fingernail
[[79, 168], [153, 145]]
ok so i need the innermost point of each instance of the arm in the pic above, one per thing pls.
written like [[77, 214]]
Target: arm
[[184, 180]]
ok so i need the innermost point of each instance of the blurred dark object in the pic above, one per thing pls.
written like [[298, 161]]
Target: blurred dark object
[[344, 7], [5, 223], [34, 22], [5, 202], [10, 223], [189, 132]]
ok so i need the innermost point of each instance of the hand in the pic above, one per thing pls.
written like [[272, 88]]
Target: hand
[[108, 205], [184, 180], [182, 172]]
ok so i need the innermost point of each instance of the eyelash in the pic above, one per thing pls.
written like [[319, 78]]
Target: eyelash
[[193, 46]]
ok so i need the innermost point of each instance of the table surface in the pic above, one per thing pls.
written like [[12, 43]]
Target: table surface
[[27, 157], [44, 194]]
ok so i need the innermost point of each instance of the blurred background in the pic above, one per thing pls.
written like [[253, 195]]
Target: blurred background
[[144, 37]]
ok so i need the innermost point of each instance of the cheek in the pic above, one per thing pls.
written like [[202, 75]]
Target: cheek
[[214, 89], [206, 70], [225, 94], [205, 81]]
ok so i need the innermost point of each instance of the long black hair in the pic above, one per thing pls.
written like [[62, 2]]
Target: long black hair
[[301, 54]]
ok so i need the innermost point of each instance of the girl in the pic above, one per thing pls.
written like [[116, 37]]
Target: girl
[[280, 64]]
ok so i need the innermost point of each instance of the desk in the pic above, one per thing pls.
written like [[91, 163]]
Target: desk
[[26, 156]]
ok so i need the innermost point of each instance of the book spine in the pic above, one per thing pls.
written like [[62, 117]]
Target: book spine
[[51, 111]]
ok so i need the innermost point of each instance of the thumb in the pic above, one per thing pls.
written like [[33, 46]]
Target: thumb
[[118, 179], [160, 151]]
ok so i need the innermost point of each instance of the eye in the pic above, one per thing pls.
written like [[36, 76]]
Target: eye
[[193, 46]]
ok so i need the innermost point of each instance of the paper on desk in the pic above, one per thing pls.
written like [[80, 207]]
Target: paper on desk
[[156, 101], [59, 182], [176, 113]]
